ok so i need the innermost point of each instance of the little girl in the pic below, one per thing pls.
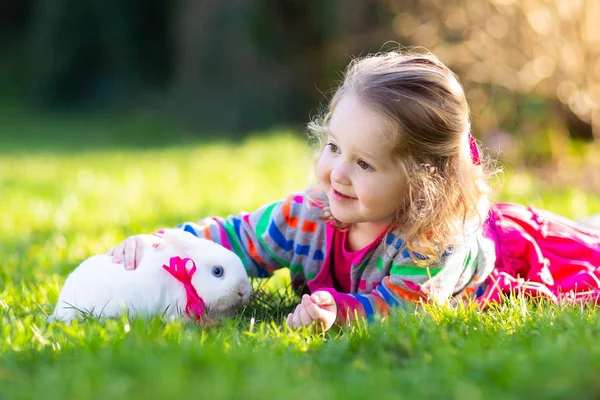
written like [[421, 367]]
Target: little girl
[[400, 213]]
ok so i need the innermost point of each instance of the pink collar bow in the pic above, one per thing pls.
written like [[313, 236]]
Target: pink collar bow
[[194, 306]]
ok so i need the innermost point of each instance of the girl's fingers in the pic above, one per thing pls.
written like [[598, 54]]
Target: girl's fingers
[[130, 249], [118, 253], [311, 308], [301, 315], [296, 321], [139, 254], [305, 318]]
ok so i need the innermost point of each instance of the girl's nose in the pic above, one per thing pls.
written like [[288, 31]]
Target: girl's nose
[[339, 173]]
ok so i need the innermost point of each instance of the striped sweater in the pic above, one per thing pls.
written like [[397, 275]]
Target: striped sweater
[[289, 233]]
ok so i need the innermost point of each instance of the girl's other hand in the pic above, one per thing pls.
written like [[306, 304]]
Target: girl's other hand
[[317, 310], [131, 250]]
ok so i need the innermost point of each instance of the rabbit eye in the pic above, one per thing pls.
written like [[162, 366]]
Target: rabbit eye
[[218, 271]]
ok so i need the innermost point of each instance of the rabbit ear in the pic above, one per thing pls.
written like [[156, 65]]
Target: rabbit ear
[[179, 239]]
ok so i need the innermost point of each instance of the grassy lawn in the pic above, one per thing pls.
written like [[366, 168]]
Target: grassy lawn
[[66, 196]]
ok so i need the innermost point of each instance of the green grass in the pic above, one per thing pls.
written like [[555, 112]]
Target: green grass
[[59, 206]]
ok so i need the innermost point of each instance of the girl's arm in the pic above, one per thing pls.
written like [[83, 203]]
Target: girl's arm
[[274, 236], [377, 304], [408, 285], [241, 234]]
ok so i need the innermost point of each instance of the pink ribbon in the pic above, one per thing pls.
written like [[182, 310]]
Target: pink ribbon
[[475, 158], [194, 306]]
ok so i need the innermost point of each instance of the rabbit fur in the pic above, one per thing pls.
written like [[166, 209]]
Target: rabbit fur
[[100, 288]]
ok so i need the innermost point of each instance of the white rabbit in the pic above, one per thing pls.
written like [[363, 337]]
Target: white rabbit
[[101, 288]]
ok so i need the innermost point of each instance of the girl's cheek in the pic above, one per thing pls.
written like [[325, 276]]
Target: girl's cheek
[[364, 185], [322, 169]]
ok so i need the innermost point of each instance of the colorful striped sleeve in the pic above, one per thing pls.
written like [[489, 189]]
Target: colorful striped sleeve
[[238, 234], [265, 240], [406, 286]]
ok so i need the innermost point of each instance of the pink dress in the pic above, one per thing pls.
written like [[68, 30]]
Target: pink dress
[[541, 254]]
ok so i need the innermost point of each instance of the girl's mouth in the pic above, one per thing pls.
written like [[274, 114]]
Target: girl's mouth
[[340, 197]]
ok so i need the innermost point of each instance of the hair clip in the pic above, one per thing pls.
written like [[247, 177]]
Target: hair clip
[[475, 158]]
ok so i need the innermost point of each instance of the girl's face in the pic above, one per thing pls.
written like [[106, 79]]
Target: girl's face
[[356, 170]]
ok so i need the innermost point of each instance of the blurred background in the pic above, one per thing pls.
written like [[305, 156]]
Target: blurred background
[[205, 68]]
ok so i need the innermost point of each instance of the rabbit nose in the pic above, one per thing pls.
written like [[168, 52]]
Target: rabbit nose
[[242, 291]]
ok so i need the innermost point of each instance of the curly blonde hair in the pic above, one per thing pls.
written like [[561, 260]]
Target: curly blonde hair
[[446, 197]]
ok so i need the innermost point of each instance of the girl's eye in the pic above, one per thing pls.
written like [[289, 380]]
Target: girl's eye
[[364, 165], [332, 147], [218, 271]]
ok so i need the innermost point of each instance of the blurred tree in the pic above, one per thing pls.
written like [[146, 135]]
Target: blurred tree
[[247, 64], [527, 66], [510, 51], [14, 18], [96, 53]]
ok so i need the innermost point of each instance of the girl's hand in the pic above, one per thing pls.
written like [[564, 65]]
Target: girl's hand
[[131, 250], [317, 310]]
